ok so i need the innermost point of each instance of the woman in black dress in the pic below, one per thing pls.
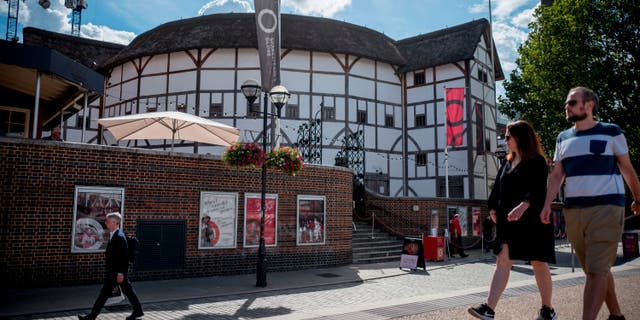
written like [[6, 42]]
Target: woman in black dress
[[514, 205]]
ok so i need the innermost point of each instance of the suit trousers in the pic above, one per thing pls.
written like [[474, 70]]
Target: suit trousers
[[110, 282]]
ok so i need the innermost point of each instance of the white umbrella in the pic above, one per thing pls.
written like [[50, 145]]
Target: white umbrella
[[170, 125]]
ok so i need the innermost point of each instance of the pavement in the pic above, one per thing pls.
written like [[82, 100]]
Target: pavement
[[443, 289]]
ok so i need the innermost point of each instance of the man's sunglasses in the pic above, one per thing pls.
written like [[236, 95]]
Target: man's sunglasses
[[571, 103]]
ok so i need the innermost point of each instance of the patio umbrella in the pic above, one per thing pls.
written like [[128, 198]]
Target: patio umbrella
[[170, 125]]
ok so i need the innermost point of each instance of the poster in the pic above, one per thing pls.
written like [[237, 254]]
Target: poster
[[311, 220], [477, 226], [218, 220], [90, 208], [252, 219], [412, 254]]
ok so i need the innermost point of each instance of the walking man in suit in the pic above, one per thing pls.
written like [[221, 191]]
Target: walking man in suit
[[116, 261]]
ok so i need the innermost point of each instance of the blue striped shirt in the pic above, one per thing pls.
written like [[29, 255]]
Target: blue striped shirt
[[591, 170]]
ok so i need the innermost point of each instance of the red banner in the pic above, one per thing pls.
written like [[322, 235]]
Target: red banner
[[455, 115]]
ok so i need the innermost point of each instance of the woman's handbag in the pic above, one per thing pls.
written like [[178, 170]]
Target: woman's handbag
[[116, 296]]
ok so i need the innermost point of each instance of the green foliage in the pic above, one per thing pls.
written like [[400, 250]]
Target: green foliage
[[592, 43]]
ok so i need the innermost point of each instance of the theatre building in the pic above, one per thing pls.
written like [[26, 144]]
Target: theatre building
[[359, 99]]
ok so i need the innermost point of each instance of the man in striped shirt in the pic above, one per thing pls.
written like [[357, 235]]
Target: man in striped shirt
[[593, 157]]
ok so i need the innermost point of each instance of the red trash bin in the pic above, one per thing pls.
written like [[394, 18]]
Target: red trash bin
[[630, 245], [433, 248]]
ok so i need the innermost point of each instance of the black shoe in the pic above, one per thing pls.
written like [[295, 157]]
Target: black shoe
[[135, 315], [87, 317], [464, 255], [546, 313], [612, 317], [482, 311]]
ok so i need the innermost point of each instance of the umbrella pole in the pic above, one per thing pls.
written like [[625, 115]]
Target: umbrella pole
[[173, 136]]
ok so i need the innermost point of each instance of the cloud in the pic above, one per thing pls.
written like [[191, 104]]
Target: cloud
[[104, 33], [325, 8], [243, 4]]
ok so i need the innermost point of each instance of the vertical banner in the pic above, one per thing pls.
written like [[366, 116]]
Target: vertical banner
[[252, 210], [480, 143], [268, 32], [455, 115]]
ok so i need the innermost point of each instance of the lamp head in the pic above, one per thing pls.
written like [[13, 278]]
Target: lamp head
[[279, 96], [251, 90]]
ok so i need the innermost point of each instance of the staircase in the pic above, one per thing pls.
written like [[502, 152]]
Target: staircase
[[382, 248]]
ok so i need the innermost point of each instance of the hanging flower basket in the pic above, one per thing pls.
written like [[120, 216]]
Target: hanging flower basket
[[243, 155], [288, 160]]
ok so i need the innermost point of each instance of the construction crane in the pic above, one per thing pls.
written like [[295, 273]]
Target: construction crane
[[13, 8], [76, 7]]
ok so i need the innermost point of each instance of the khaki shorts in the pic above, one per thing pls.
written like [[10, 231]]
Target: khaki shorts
[[594, 233]]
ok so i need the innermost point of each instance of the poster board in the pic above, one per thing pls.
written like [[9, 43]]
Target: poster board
[[218, 220], [412, 254], [90, 208], [475, 217], [311, 218], [252, 215]]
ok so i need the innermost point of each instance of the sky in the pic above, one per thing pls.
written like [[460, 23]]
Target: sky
[[120, 21]]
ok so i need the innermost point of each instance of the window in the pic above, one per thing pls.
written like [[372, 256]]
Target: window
[[418, 78], [482, 76], [421, 120], [14, 122], [328, 113], [421, 159], [254, 110], [216, 111], [86, 119], [456, 187], [181, 107], [152, 109], [292, 112], [388, 121], [362, 116]]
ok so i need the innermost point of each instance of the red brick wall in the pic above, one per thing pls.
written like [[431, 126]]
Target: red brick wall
[[398, 213], [37, 194]]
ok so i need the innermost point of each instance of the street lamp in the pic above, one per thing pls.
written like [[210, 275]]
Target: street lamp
[[501, 154], [279, 97]]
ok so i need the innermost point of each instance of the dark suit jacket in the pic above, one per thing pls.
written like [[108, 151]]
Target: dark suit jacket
[[116, 258]]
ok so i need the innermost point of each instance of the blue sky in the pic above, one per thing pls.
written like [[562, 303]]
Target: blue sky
[[122, 20]]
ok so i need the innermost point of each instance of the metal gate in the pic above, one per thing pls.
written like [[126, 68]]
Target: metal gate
[[161, 244]]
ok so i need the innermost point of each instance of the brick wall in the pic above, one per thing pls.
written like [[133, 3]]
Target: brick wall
[[398, 213], [37, 195]]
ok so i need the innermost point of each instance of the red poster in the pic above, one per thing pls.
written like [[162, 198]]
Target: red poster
[[252, 220], [455, 115]]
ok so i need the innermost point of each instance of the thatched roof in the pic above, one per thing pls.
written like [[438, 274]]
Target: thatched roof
[[238, 30], [457, 43], [91, 53]]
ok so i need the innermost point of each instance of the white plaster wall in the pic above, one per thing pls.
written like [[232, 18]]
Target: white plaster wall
[[328, 83], [153, 85], [220, 58], [115, 76], [327, 63], [423, 188], [157, 64], [431, 161], [387, 73], [364, 68], [419, 94], [387, 137], [216, 80], [295, 80], [389, 93], [129, 90], [449, 71], [361, 87], [341, 108], [112, 95], [129, 71], [248, 58], [181, 61], [296, 59], [183, 81]]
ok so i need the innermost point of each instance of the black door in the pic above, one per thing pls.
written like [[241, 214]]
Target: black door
[[161, 244]]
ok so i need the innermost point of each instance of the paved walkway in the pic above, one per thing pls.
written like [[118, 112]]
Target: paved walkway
[[374, 291]]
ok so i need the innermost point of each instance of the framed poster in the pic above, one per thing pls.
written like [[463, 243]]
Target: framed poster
[[475, 216], [311, 219], [252, 219], [90, 208], [218, 220]]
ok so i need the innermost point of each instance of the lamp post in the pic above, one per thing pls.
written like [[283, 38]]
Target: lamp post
[[501, 154], [251, 91]]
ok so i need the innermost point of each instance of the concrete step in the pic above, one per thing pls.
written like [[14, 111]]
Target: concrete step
[[383, 247]]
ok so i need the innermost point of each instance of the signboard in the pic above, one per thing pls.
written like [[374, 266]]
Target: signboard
[[311, 220], [412, 254], [90, 208]]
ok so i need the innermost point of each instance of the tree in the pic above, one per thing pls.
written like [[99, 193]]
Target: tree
[[592, 43]]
